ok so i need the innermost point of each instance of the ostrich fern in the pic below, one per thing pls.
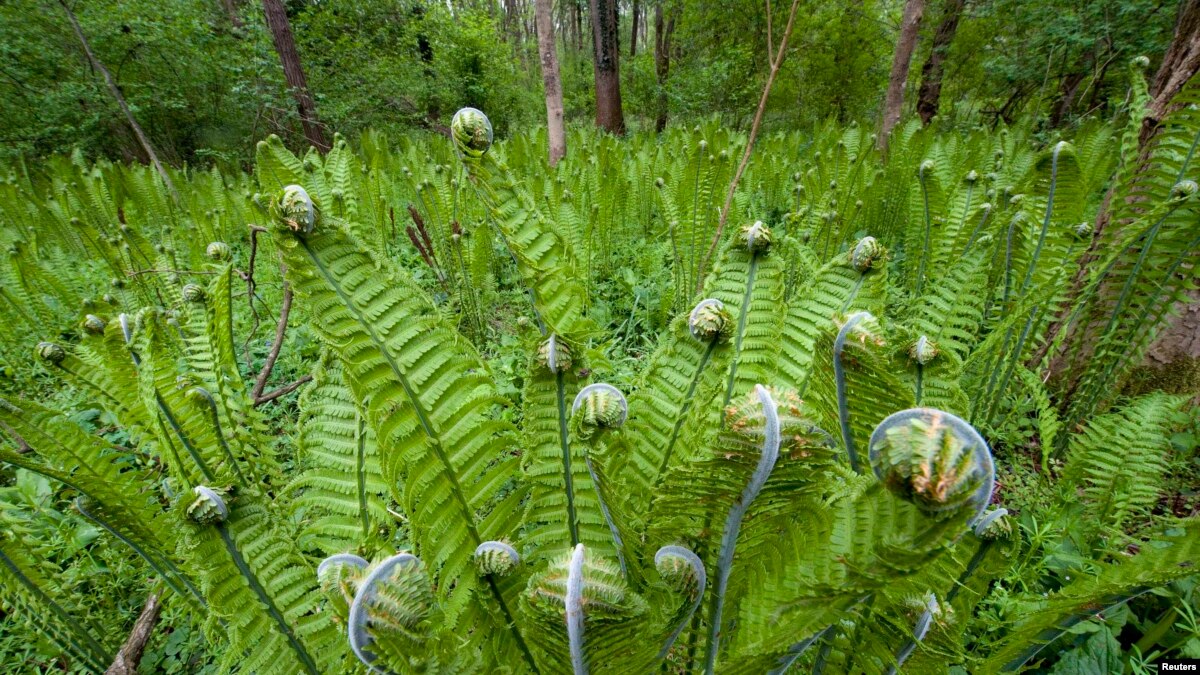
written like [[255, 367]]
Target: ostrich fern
[[789, 482]]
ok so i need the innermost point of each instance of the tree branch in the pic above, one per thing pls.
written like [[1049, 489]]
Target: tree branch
[[282, 391], [126, 661], [273, 355], [737, 177]]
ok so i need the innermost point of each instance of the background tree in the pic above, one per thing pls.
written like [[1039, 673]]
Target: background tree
[[906, 44], [293, 72], [548, 52], [930, 92], [606, 65]]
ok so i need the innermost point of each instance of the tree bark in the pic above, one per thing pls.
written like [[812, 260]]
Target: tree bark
[[113, 89], [606, 48], [1179, 64], [293, 73], [662, 62], [906, 44], [231, 10], [126, 661], [930, 93], [548, 52], [633, 32]]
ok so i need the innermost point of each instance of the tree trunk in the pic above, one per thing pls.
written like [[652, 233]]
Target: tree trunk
[[1176, 349], [662, 62], [231, 10], [1179, 64], [606, 47], [285, 46], [142, 139], [633, 32], [548, 52], [906, 44], [930, 94]]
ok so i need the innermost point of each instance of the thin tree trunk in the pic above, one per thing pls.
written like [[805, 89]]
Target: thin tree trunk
[[633, 32], [776, 62], [662, 62], [231, 10], [930, 93], [906, 44], [142, 139], [606, 47], [548, 51], [293, 73], [1176, 349]]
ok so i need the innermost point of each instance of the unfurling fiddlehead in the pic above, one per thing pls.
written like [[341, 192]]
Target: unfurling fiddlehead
[[554, 354], [710, 321], [496, 557], [340, 576], [601, 406], [769, 429], [296, 209], [388, 612], [471, 131], [933, 459], [757, 237], [684, 572], [923, 351], [209, 506], [866, 253], [218, 251], [920, 628]]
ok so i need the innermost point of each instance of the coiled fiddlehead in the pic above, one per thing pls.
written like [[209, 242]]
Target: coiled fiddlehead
[[684, 572], [603, 406], [392, 601], [710, 321], [933, 459], [496, 557], [209, 506]]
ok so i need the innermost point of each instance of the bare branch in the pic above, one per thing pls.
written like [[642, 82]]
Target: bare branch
[[248, 277], [126, 661], [282, 391], [273, 355], [737, 177]]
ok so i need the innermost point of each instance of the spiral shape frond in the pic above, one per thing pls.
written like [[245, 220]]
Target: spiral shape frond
[[471, 131], [218, 251], [208, 508], [923, 351], [393, 602], [93, 324], [193, 293], [554, 355], [710, 321], [933, 459], [601, 405], [50, 352], [496, 558], [866, 254], [296, 209], [757, 237]]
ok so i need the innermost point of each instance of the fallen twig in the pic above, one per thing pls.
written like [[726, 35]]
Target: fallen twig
[[130, 654]]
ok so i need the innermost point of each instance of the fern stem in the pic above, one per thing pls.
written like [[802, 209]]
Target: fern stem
[[564, 444], [618, 544], [166, 411], [216, 420], [166, 570], [733, 523], [920, 629], [743, 314], [928, 232], [256, 586], [360, 471], [574, 610], [839, 374], [686, 405], [797, 650]]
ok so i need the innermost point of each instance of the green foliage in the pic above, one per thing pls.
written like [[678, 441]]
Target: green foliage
[[588, 476]]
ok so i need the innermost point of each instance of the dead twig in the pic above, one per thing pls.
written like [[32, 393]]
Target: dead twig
[[280, 328], [282, 391], [248, 277], [737, 177], [127, 659]]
